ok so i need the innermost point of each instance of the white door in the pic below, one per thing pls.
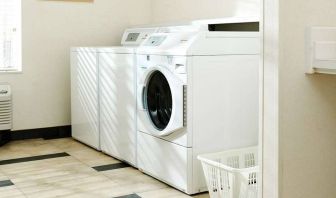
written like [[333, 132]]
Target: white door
[[161, 101], [84, 98]]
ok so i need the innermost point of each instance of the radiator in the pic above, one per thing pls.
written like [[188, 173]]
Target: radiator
[[5, 107]]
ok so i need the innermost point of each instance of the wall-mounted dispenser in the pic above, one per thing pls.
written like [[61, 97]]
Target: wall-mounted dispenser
[[321, 50]]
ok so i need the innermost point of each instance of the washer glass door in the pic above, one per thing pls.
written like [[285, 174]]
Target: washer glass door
[[158, 100]]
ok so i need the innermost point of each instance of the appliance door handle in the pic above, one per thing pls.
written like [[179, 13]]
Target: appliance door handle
[[143, 101]]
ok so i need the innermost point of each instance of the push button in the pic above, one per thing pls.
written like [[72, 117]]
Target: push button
[[180, 68], [3, 92]]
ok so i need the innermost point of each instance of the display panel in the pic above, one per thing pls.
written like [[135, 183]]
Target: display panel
[[132, 37]]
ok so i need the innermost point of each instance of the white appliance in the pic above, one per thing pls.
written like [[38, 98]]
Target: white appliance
[[197, 93], [117, 79], [96, 80], [84, 96], [321, 50], [5, 107]]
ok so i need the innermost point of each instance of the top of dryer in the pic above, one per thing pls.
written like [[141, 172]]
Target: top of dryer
[[205, 37], [132, 38]]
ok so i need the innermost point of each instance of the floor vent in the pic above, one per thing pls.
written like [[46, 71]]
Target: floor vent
[[5, 107]]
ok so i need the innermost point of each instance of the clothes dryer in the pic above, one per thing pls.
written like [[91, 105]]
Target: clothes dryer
[[85, 96], [102, 107], [117, 79]]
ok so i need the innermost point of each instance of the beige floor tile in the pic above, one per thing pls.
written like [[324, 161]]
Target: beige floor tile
[[36, 187], [82, 152], [88, 195], [56, 179], [10, 191], [70, 179], [67, 144], [26, 148], [40, 165], [116, 191], [134, 179], [3, 177], [92, 158], [52, 174], [73, 176], [74, 185], [163, 193], [36, 169], [57, 192], [89, 186]]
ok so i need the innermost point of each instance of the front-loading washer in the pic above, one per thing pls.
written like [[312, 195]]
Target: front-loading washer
[[198, 92]]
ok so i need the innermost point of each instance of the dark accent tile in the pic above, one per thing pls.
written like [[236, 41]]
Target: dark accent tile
[[6, 183], [129, 196], [45, 133], [111, 167], [33, 158]]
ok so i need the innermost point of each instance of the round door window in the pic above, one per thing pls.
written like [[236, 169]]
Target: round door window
[[159, 100]]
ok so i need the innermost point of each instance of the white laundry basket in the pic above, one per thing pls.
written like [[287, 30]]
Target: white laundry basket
[[232, 174]]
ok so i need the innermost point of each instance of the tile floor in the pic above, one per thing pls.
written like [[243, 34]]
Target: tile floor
[[66, 168]]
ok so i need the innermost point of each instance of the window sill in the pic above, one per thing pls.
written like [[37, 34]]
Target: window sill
[[10, 72]]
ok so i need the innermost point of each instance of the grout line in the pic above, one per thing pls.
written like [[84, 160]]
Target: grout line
[[167, 187], [24, 194]]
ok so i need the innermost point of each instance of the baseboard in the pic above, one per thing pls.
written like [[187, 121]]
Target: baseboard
[[4, 137], [45, 133]]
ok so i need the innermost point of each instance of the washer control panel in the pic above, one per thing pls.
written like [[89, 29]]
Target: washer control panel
[[155, 40]]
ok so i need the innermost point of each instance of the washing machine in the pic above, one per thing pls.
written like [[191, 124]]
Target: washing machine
[[198, 92], [117, 96]]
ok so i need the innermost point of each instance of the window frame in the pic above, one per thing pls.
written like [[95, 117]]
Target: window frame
[[16, 68]]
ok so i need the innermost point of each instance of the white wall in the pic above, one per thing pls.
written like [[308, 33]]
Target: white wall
[[183, 10], [50, 28], [42, 91], [307, 106]]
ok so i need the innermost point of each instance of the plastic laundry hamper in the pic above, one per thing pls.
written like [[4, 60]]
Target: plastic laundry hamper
[[232, 174]]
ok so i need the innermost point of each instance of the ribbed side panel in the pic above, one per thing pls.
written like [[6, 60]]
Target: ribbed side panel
[[184, 105]]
